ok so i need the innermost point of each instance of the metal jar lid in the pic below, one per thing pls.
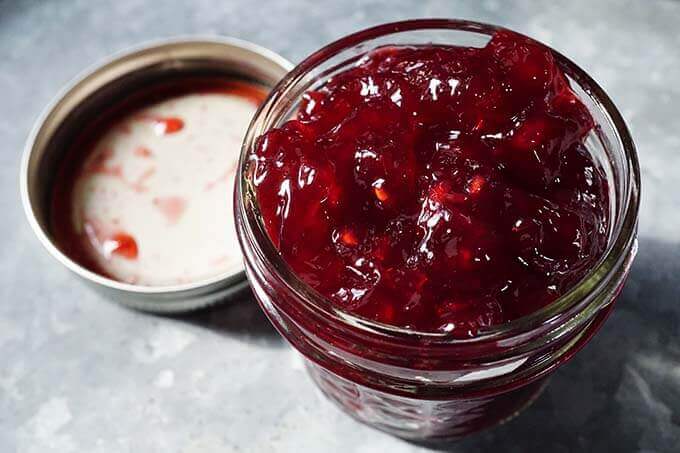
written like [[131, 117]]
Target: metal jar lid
[[99, 87]]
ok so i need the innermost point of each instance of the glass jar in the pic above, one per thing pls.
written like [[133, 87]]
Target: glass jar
[[423, 385]]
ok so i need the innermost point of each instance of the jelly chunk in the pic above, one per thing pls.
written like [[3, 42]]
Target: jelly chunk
[[121, 244]]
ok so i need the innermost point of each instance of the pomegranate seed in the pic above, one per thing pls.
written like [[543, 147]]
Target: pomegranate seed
[[475, 185]]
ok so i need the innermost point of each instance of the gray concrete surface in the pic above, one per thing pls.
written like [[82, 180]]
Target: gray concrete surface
[[78, 374]]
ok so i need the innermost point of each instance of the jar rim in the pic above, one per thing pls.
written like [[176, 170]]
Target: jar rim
[[621, 242]]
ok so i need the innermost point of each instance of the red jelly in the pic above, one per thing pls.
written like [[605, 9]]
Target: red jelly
[[121, 244], [165, 126], [437, 188]]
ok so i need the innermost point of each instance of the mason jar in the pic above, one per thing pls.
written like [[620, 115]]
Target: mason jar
[[424, 385]]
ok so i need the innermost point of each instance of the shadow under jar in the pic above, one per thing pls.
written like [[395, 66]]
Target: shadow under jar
[[425, 385]]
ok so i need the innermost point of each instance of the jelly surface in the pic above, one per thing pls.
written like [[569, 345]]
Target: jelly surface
[[437, 188]]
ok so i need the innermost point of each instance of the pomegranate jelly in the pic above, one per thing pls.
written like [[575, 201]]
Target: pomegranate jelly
[[437, 188]]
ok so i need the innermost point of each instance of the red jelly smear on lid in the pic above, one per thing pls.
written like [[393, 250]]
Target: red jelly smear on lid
[[165, 126], [437, 188], [121, 244]]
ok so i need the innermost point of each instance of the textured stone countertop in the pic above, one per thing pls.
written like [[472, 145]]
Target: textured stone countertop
[[79, 374]]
